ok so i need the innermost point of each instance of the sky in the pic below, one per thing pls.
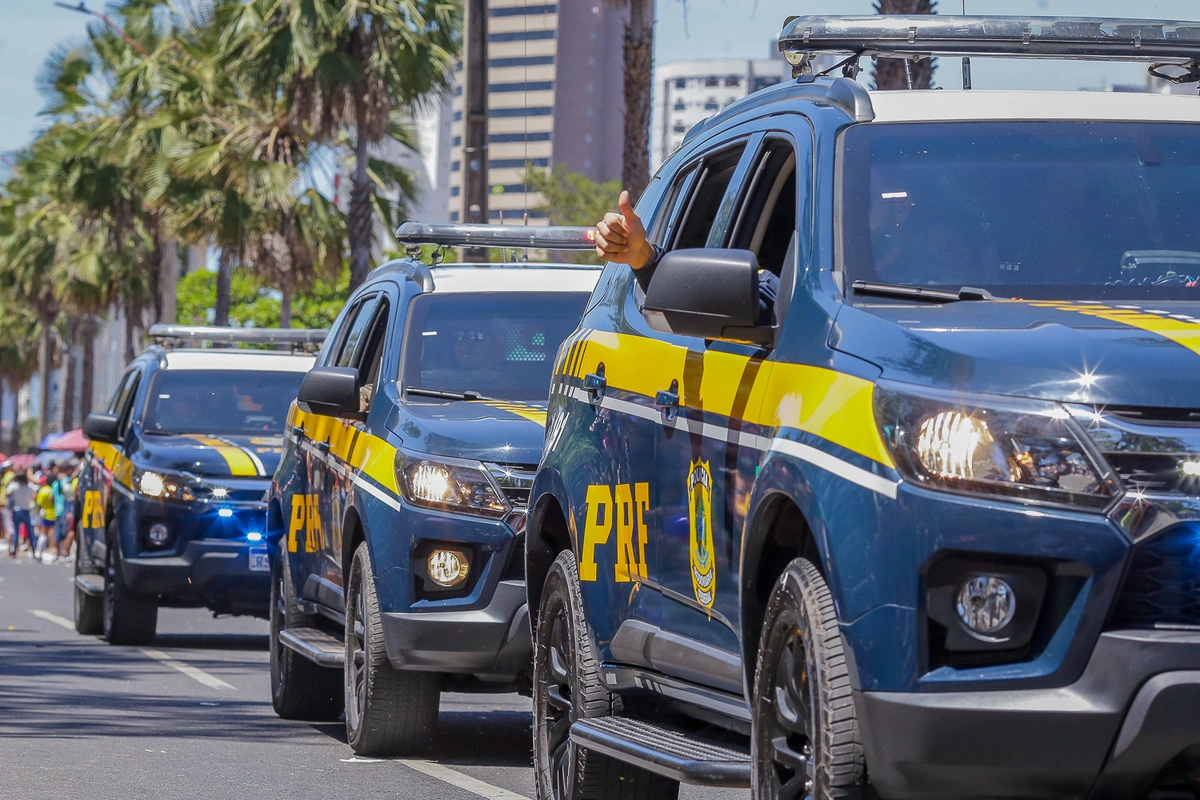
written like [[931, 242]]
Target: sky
[[31, 29]]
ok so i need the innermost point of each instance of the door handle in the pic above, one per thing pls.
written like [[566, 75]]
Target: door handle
[[323, 447], [595, 382], [668, 400], [298, 432]]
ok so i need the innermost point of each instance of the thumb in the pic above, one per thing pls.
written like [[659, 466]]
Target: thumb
[[624, 205]]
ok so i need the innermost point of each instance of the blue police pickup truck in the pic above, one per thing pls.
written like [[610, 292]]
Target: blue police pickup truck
[[397, 514], [931, 528], [173, 485]]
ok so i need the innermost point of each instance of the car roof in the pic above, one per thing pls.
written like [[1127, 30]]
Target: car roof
[[977, 105], [228, 359], [462, 278]]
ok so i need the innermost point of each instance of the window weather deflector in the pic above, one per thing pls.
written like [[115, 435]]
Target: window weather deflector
[[921, 293], [1163, 43]]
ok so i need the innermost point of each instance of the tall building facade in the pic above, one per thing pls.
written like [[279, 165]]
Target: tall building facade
[[688, 91], [555, 97]]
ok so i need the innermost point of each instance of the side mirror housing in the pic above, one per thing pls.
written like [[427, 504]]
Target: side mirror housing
[[331, 392], [709, 294], [100, 427]]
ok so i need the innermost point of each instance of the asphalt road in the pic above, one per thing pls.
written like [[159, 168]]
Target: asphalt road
[[191, 717]]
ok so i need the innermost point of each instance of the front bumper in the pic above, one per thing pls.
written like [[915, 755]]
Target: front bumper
[[211, 573], [1129, 723], [491, 642]]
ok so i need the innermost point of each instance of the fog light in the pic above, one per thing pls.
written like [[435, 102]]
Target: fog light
[[448, 567], [986, 604], [225, 513], [158, 533], [254, 537]]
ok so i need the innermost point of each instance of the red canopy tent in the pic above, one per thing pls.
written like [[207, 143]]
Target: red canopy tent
[[74, 441]]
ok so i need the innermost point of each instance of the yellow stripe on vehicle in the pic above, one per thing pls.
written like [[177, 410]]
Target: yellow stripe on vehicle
[[1182, 332], [240, 464], [831, 405], [531, 413]]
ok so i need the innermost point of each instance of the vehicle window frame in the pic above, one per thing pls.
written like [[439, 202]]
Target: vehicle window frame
[[125, 416], [370, 303], [762, 157], [375, 346], [113, 403], [744, 141], [333, 342]]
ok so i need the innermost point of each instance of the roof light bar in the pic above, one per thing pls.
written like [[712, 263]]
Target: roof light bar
[[917, 35], [192, 334], [541, 237]]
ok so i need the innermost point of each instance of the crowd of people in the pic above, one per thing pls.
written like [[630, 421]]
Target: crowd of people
[[37, 507]]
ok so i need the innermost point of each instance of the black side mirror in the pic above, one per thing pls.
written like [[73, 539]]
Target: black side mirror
[[101, 427], [709, 294], [331, 392]]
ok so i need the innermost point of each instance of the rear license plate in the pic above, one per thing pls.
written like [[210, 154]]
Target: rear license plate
[[259, 561]]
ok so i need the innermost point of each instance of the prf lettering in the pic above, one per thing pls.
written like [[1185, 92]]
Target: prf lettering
[[305, 517], [93, 510], [623, 508]]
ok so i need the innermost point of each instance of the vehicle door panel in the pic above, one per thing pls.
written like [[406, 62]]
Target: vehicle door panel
[[95, 484]]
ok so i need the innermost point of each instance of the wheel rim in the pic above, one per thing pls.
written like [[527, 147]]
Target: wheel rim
[[558, 711], [789, 720], [356, 663]]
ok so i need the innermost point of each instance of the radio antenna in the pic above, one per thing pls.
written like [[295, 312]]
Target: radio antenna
[[966, 61]]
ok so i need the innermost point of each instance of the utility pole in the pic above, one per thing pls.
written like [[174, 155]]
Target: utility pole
[[475, 152]]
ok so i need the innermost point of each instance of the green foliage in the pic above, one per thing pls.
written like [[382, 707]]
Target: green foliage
[[253, 303], [573, 199]]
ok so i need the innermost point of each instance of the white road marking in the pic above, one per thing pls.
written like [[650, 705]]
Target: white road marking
[[456, 778], [62, 622], [196, 674]]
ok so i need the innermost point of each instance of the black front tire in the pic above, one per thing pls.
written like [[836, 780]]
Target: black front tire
[[300, 689], [805, 743], [389, 712], [89, 610], [129, 618], [568, 686]]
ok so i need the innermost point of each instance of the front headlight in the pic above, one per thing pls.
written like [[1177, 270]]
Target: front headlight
[[162, 485], [1024, 449], [449, 484]]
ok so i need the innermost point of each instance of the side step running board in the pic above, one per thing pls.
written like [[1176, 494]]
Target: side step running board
[[664, 751], [315, 645], [91, 585]]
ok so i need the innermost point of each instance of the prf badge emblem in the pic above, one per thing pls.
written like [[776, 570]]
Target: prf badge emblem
[[704, 568]]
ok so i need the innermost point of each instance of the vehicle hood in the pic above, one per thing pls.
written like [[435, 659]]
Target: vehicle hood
[[1112, 354], [212, 456], [500, 432]]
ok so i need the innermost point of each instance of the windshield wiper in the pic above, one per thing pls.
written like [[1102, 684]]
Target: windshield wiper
[[417, 390], [920, 293]]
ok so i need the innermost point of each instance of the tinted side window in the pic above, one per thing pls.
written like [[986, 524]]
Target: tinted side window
[[357, 331], [767, 220], [705, 203], [370, 361], [124, 406]]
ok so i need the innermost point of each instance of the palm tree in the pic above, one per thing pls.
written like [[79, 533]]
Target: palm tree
[[638, 68], [347, 67], [890, 72]]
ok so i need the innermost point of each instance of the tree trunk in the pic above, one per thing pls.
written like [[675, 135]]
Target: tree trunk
[[68, 371], [170, 276], [285, 304], [132, 327], [639, 64], [361, 220], [87, 380], [45, 345], [890, 72], [13, 445], [224, 286]]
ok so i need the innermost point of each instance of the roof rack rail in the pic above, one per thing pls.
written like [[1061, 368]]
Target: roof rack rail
[[540, 237], [168, 335], [1162, 43]]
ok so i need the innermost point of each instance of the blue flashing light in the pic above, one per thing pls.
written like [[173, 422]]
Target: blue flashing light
[[254, 537], [225, 513]]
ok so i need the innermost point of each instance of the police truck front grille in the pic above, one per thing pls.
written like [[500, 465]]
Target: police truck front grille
[[516, 481], [1151, 472], [1162, 585]]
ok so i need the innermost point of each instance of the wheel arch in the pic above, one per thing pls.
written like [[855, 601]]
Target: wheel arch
[[548, 533], [353, 533]]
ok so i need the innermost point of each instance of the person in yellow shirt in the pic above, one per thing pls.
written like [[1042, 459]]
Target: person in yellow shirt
[[45, 503], [6, 512]]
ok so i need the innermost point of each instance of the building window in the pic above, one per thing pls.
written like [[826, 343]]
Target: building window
[[517, 163], [680, 105], [456, 141], [458, 91], [531, 86], [454, 216], [547, 8], [455, 166], [712, 81], [711, 104], [520, 36], [679, 128], [533, 111], [502, 138], [733, 80], [522, 61], [681, 83], [455, 191], [457, 116], [762, 83]]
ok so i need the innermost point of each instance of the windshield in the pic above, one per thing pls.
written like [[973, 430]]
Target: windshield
[[498, 346], [1045, 210], [217, 402]]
